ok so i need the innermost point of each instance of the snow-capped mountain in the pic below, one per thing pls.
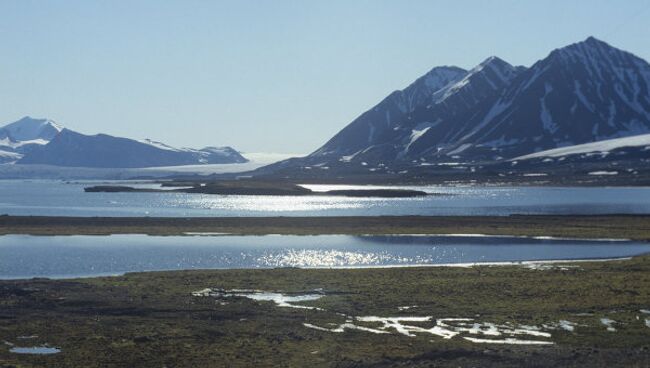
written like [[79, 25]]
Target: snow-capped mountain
[[585, 92], [378, 124], [41, 141], [451, 117], [601, 148], [581, 93], [70, 148], [29, 129], [21, 136]]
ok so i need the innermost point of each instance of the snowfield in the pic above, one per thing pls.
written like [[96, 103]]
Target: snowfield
[[594, 147], [11, 170]]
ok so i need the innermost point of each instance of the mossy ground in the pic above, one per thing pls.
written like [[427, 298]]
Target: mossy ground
[[151, 319]]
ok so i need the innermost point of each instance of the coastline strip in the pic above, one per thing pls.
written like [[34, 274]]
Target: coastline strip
[[632, 227]]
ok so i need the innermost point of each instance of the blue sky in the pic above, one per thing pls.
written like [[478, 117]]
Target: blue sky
[[273, 76]]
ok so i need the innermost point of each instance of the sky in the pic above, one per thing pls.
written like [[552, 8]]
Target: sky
[[266, 76]]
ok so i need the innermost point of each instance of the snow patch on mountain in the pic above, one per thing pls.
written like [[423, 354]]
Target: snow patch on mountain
[[41, 141], [418, 131], [594, 147], [546, 117], [6, 156], [159, 145], [28, 128], [419, 91], [495, 111], [6, 142]]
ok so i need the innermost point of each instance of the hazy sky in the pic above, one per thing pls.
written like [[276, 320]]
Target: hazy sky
[[274, 76]]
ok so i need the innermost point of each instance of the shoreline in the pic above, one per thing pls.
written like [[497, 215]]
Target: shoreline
[[350, 268], [505, 311], [632, 227]]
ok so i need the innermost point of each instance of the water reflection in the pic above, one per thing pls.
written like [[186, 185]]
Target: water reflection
[[59, 198], [71, 256], [38, 350]]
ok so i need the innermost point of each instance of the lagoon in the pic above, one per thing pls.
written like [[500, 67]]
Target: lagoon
[[25, 256]]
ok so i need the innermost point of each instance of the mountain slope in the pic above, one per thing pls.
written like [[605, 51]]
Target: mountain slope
[[42, 141], [374, 126], [22, 136], [581, 93], [70, 148], [603, 147], [28, 129], [585, 92], [459, 105]]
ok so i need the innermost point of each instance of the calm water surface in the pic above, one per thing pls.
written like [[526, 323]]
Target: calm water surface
[[38, 350], [24, 256], [57, 198]]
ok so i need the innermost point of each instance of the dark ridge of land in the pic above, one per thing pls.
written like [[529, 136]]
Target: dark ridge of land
[[635, 227], [152, 320], [283, 189]]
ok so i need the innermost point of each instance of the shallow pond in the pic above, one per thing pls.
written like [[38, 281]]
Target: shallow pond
[[24, 256], [38, 350]]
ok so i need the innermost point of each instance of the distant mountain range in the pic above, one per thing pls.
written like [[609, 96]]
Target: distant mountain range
[[583, 109], [484, 118], [41, 141]]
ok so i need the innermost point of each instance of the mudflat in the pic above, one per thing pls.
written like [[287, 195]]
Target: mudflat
[[635, 227]]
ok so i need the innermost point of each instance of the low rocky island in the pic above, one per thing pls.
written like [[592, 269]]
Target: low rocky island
[[257, 188]]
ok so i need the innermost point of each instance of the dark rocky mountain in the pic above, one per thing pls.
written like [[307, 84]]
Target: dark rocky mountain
[[584, 92], [41, 141], [377, 125], [70, 148]]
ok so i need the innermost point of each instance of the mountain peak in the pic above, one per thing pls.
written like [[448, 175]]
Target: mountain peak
[[28, 128], [591, 40], [439, 76], [422, 88], [493, 60], [589, 48], [31, 120], [497, 64], [492, 72]]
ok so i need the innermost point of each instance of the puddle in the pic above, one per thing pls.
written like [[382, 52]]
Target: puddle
[[345, 326], [410, 326], [445, 328], [647, 320], [562, 324], [548, 266], [281, 300], [568, 326], [406, 307], [609, 323], [470, 329], [190, 233], [508, 341], [39, 350]]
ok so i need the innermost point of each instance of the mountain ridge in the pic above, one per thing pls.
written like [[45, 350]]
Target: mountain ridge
[[580, 93], [41, 141]]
